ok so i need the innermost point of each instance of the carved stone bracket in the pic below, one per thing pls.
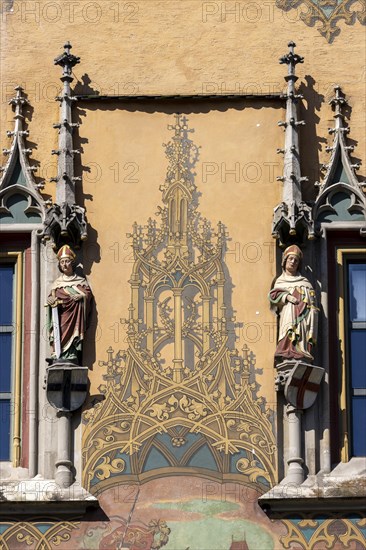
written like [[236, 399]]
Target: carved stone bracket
[[65, 224]]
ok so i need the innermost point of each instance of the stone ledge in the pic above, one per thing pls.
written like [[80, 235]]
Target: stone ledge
[[43, 495], [296, 505], [342, 489]]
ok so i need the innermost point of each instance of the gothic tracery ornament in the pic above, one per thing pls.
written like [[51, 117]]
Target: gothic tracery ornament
[[178, 385]]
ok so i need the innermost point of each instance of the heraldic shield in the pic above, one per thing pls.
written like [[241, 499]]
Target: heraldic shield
[[303, 384], [66, 386]]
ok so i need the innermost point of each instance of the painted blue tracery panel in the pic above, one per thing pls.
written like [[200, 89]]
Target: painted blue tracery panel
[[155, 459], [203, 458]]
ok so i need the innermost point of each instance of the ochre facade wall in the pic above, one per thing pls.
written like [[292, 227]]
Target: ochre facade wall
[[185, 47]]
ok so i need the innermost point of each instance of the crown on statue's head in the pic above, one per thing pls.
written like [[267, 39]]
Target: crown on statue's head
[[66, 252], [294, 250]]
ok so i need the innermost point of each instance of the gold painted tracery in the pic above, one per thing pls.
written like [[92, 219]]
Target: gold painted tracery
[[309, 534], [179, 375]]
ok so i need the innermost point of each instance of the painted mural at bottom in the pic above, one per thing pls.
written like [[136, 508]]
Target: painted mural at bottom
[[192, 513], [184, 513]]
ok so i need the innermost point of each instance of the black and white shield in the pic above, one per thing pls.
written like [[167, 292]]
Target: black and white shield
[[67, 386]]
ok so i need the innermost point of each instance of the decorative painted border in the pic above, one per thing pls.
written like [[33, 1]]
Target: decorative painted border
[[328, 12], [309, 533], [40, 535]]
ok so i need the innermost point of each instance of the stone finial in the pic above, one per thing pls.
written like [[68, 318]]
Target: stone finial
[[292, 221], [341, 196], [291, 59], [65, 220], [67, 60], [18, 154]]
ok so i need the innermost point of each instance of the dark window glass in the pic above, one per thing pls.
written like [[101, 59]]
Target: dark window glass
[[359, 426], [358, 358], [5, 429], [6, 344], [6, 293], [357, 292], [5, 361], [357, 354]]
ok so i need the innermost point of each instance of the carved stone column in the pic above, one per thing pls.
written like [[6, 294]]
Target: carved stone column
[[64, 475], [295, 473]]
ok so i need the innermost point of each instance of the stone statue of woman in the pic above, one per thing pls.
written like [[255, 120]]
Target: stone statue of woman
[[293, 298], [69, 303]]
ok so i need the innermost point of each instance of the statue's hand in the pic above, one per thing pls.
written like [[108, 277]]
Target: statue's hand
[[292, 299], [77, 297], [52, 301]]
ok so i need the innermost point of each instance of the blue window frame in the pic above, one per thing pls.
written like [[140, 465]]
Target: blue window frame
[[7, 313], [356, 320]]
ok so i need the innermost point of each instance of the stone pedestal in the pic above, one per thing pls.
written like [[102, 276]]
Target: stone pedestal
[[66, 385], [300, 382]]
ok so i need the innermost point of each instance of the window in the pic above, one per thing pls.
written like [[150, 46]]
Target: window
[[356, 338], [347, 345], [11, 267]]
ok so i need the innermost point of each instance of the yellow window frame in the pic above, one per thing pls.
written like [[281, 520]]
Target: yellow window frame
[[343, 255]]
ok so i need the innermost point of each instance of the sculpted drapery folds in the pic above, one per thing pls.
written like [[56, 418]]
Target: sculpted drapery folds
[[293, 297], [69, 302]]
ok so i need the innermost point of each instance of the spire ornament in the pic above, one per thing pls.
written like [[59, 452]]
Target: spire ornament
[[292, 221], [17, 180], [341, 196], [65, 221]]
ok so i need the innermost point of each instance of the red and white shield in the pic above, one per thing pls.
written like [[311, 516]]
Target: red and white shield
[[303, 384]]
